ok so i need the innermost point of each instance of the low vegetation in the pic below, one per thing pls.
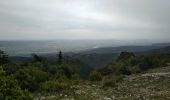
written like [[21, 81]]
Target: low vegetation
[[41, 78]]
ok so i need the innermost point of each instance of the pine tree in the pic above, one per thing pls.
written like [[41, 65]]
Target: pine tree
[[3, 58], [60, 57], [37, 58]]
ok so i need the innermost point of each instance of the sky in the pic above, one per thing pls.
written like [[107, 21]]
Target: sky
[[84, 19]]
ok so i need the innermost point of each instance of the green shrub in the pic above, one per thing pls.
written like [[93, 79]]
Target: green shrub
[[10, 90], [125, 70], [95, 76], [2, 72], [122, 68], [125, 56], [136, 69], [111, 81], [54, 86], [30, 78], [64, 69], [11, 68], [4, 59]]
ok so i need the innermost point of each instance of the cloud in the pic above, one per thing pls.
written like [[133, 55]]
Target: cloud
[[84, 19]]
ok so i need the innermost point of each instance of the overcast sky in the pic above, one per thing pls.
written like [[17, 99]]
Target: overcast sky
[[84, 19]]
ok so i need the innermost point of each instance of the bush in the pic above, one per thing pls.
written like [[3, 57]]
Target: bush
[[2, 72], [125, 56], [30, 78], [125, 70], [122, 68], [136, 69], [111, 81], [67, 70], [54, 86], [151, 61], [10, 90], [11, 68], [106, 70], [4, 59], [95, 76]]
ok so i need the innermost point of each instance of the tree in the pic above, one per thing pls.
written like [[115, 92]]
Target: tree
[[68, 70], [37, 58], [3, 58], [121, 68], [60, 57], [124, 56]]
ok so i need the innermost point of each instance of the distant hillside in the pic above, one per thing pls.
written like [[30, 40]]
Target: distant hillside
[[160, 50], [83, 68], [92, 59], [24, 48], [99, 57], [120, 49], [96, 60], [161, 44], [20, 59]]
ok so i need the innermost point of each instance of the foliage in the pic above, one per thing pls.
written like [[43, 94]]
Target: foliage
[[121, 68], [3, 58], [111, 81], [30, 78], [37, 58], [127, 63], [54, 86], [10, 89], [11, 68], [64, 69], [60, 58], [2, 72], [152, 61], [124, 56], [68, 70], [95, 76], [19, 80]]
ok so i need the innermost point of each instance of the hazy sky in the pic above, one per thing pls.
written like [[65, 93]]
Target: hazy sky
[[84, 19]]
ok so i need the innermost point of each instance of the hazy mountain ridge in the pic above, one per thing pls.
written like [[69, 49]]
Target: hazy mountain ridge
[[102, 56], [99, 57], [25, 48], [160, 50], [96, 73], [120, 49]]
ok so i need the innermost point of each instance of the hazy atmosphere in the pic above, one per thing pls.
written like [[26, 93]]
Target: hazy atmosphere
[[84, 19], [84, 49]]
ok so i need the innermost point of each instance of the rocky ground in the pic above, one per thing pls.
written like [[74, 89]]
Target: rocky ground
[[152, 85]]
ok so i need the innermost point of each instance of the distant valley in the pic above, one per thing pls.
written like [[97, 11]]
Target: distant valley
[[96, 57]]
